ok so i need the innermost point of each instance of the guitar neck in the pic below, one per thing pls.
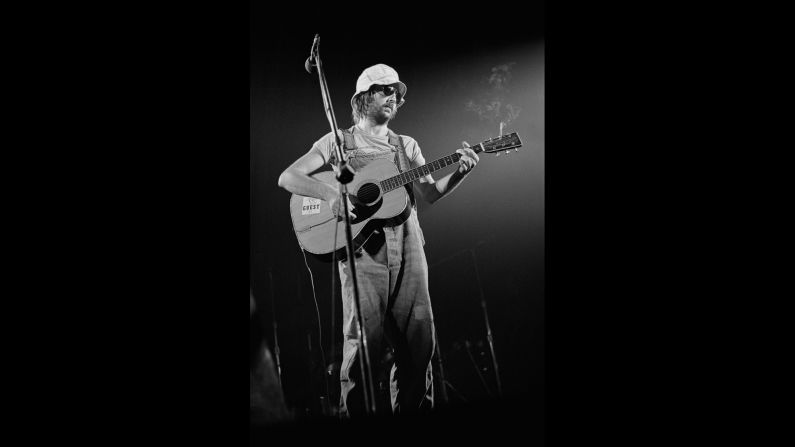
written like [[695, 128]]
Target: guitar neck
[[409, 176]]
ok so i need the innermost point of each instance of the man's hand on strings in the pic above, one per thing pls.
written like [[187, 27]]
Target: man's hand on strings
[[336, 206], [468, 158]]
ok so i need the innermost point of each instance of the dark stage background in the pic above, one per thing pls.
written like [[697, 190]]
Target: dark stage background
[[491, 228]]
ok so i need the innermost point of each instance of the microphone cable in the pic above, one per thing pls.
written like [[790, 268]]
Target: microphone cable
[[319, 326], [317, 310]]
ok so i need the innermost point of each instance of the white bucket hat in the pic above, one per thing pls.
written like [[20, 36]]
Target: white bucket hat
[[379, 74]]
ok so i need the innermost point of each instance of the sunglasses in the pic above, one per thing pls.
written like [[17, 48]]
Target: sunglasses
[[387, 90]]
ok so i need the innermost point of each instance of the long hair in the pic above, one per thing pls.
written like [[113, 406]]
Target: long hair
[[361, 103]]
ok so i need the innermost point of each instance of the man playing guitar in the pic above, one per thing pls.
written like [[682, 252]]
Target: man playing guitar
[[391, 267]]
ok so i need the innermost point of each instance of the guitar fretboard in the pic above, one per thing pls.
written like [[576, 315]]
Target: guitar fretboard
[[409, 176]]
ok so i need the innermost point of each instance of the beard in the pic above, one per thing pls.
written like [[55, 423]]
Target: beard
[[379, 115]]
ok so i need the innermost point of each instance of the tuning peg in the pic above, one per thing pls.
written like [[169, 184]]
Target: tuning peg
[[508, 151], [497, 154]]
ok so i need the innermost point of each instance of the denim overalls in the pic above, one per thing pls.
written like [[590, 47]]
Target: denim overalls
[[396, 310]]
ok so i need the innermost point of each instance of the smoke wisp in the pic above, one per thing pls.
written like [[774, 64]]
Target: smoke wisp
[[492, 105]]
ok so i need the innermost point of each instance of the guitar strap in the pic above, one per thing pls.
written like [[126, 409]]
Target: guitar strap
[[349, 142], [401, 160]]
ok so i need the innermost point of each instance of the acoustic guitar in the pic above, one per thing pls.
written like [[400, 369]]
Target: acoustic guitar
[[379, 199]]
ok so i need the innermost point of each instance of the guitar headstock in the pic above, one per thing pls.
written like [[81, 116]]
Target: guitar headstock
[[500, 144]]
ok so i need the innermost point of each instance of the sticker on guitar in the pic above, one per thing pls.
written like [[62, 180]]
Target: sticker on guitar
[[310, 206]]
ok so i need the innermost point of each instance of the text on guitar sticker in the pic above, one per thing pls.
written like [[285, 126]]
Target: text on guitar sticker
[[310, 206]]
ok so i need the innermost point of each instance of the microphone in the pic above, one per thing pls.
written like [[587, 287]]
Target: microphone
[[312, 54]]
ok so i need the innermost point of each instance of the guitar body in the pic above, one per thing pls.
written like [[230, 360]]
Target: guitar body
[[379, 200], [315, 224]]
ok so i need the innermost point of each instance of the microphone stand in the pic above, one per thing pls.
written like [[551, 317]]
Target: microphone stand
[[344, 175], [442, 380], [488, 326], [489, 336]]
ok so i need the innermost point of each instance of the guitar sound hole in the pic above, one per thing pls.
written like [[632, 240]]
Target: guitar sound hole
[[368, 193]]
